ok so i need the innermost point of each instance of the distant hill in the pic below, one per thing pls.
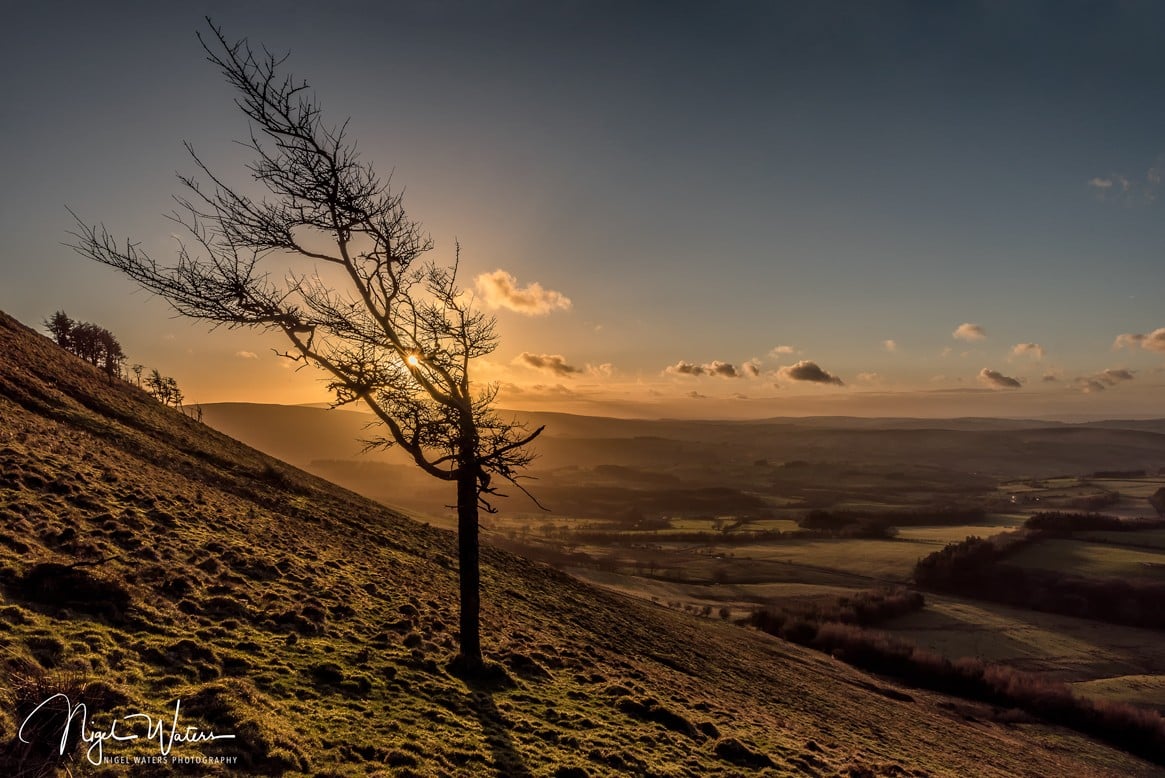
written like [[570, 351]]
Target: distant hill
[[147, 559], [1003, 448]]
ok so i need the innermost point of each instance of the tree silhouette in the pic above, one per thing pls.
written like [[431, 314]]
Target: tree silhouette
[[60, 326], [398, 335], [96, 345], [164, 389]]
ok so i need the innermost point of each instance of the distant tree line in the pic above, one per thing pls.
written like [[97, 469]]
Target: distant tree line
[[100, 348], [1062, 522], [937, 514], [863, 609]]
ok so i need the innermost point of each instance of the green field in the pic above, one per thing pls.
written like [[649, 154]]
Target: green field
[[887, 560], [939, 536], [1098, 560], [1065, 647], [1153, 538], [1144, 690]]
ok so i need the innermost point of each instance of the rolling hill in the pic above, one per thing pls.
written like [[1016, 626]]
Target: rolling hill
[[1001, 448], [150, 563]]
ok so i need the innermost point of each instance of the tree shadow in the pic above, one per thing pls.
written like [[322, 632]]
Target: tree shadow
[[507, 759]]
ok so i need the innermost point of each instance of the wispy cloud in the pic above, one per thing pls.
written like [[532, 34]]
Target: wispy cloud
[[781, 351], [499, 289], [605, 370], [809, 372], [246, 355], [540, 391], [1098, 382], [1108, 185], [869, 378], [1153, 341], [890, 345], [969, 332], [997, 380], [1130, 190], [714, 368], [1033, 350], [550, 363]]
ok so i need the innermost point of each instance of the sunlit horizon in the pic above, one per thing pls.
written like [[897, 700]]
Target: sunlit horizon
[[805, 219]]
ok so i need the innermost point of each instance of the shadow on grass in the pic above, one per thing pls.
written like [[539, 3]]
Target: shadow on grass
[[506, 757]]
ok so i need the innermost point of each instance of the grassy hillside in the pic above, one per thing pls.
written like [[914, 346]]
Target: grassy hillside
[[146, 558]]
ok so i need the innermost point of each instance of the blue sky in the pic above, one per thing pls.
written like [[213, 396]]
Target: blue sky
[[704, 182]]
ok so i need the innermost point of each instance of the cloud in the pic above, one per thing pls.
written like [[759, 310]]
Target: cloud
[[551, 363], [969, 332], [1034, 350], [869, 378], [1050, 377], [997, 380], [1102, 380], [540, 391], [1153, 341], [890, 345], [696, 395], [716, 368], [1113, 377], [782, 350], [810, 372], [1107, 185], [722, 369], [605, 370], [1138, 188], [246, 354], [684, 368], [499, 289]]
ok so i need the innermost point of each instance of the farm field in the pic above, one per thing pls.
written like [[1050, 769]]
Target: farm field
[[1100, 560], [1144, 690], [1154, 538], [1064, 647]]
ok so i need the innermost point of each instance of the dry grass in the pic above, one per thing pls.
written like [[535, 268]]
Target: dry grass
[[316, 625]]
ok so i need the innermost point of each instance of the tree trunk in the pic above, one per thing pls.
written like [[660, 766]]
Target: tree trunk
[[469, 572]]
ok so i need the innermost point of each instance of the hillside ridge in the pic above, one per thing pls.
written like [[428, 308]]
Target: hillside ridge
[[315, 625]]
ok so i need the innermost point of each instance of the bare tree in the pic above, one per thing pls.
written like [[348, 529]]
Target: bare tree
[[398, 335]]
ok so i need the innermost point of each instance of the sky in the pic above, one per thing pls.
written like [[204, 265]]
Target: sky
[[703, 210]]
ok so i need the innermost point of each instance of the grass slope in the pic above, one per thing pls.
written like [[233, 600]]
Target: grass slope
[[315, 625]]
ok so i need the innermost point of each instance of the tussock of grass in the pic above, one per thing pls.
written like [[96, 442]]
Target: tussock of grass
[[266, 740]]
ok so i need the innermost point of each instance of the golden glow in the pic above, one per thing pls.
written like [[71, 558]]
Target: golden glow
[[413, 360]]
